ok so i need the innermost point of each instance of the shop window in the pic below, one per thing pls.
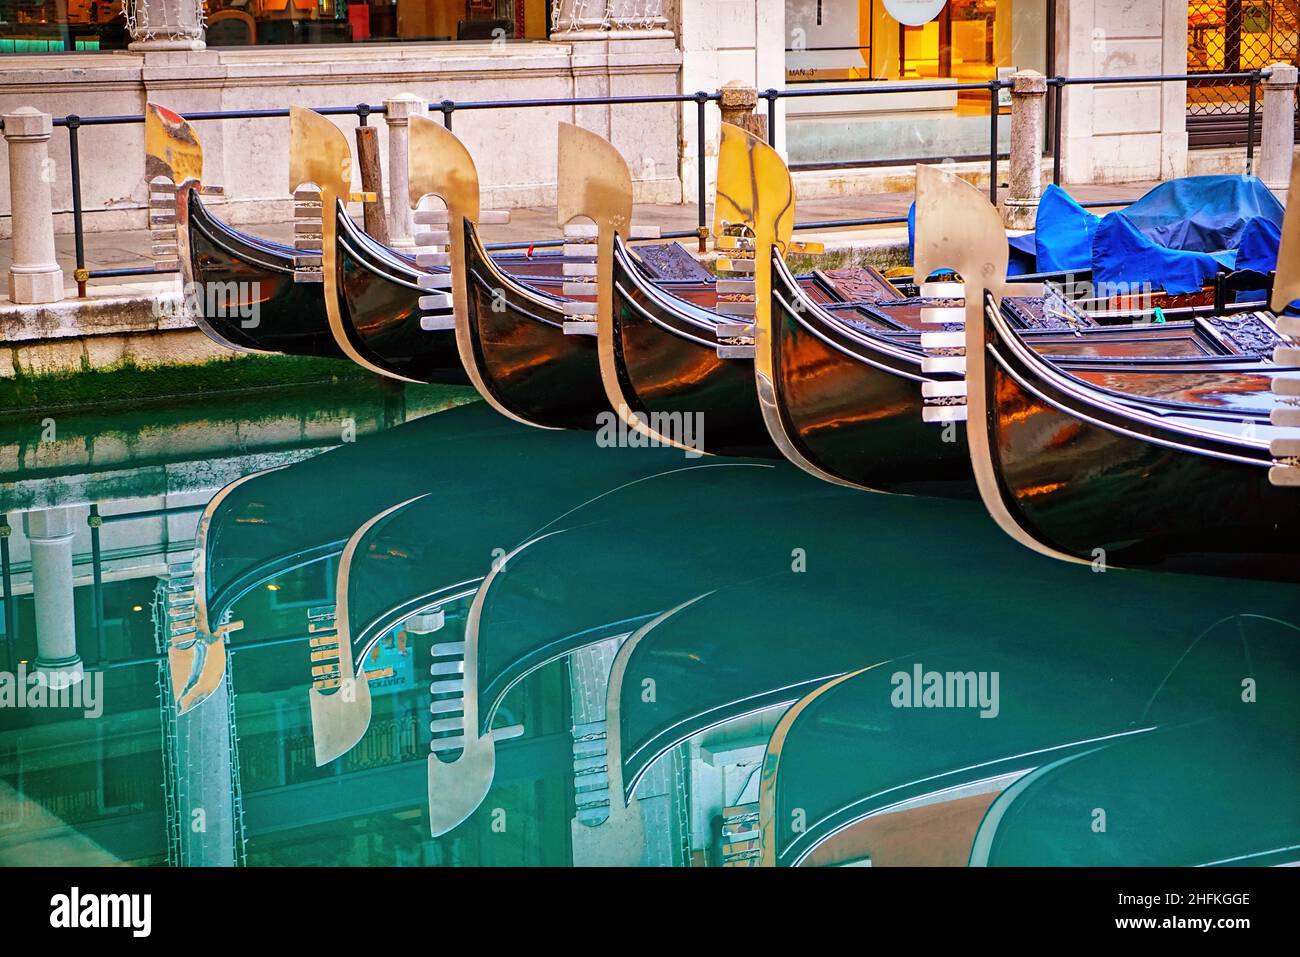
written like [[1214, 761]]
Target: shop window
[[40, 26], [858, 45]]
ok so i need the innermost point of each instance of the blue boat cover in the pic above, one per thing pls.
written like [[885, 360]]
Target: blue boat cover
[[1063, 231], [1175, 237]]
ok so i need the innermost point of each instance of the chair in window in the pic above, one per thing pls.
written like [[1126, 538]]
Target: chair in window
[[485, 29], [231, 28]]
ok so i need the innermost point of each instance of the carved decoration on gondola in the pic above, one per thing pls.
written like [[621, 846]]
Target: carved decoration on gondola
[[196, 657]]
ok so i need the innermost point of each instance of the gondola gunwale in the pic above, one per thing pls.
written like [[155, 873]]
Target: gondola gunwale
[[224, 237], [1064, 393]]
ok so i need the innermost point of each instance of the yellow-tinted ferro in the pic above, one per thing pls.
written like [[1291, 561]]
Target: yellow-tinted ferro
[[319, 156], [440, 165], [595, 182], [171, 147], [756, 196]]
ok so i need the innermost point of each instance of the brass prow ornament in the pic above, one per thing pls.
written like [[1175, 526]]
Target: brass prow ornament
[[596, 184], [320, 164], [754, 221], [439, 165]]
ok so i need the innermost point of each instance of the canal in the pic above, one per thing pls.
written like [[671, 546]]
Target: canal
[[375, 625]]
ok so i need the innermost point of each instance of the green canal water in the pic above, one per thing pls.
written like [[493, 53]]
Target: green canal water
[[580, 654]]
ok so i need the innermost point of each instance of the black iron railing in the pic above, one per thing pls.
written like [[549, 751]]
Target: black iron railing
[[448, 108]]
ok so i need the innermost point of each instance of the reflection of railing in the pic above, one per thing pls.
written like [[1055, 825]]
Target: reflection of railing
[[73, 123]]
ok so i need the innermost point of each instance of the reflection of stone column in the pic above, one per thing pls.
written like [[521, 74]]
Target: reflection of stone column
[[1277, 144], [203, 786], [399, 110], [34, 273], [165, 24], [49, 536], [1025, 184]]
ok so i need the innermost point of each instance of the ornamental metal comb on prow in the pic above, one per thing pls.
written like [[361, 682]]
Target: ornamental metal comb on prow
[[441, 168], [173, 167], [753, 217], [957, 229], [595, 185]]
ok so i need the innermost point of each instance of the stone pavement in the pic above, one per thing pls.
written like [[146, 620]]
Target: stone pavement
[[127, 249]]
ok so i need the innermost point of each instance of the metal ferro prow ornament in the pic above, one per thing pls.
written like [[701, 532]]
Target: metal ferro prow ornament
[[339, 697], [457, 788], [595, 183], [173, 168], [957, 228], [755, 210], [320, 159], [198, 666], [439, 165]]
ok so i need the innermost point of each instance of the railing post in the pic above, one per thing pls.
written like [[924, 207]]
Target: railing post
[[1278, 141], [738, 102], [398, 112], [34, 275], [994, 108], [701, 171], [1028, 94]]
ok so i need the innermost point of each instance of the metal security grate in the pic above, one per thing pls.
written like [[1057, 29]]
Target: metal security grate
[[1233, 36]]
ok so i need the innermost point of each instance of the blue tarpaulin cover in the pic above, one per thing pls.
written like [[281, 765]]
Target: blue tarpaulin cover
[[1062, 238], [1175, 237]]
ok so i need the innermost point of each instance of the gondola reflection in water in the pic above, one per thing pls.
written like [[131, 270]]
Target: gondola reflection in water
[[508, 644]]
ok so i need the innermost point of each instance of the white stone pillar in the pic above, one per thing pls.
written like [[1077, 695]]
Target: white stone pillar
[[1025, 185], [1278, 141], [165, 25], [34, 275], [399, 110], [49, 536]]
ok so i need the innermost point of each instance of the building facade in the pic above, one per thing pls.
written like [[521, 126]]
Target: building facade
[[91, 58]]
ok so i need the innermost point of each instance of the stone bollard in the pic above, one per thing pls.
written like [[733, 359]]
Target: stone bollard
[[1277, 145], [738, 104], [1025, 184], [34, 275], [399, 110]]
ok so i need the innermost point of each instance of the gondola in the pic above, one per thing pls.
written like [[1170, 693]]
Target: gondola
[[660, 362], [1068, 470], [893, 763], [510, 338], [253, 295], [845, 400], [261, 308]]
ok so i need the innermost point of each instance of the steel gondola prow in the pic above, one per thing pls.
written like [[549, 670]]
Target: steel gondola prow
[[958, 229], [596, 184], [440, 165], [320, 181], [753, 221]]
